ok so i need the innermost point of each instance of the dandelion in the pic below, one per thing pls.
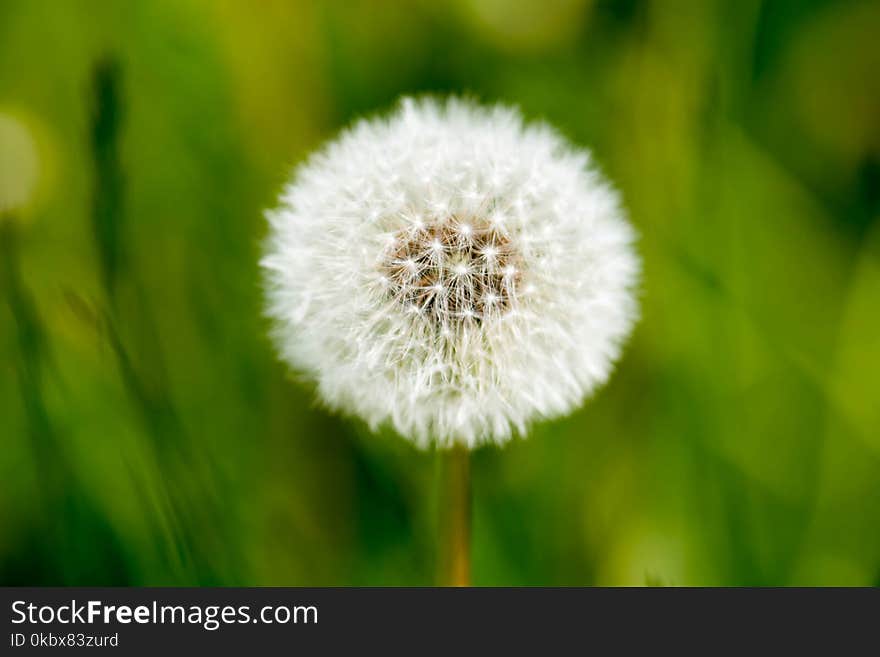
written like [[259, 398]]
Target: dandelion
[[451, 272]]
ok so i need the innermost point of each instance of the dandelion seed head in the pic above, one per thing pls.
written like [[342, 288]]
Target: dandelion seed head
[[452, 272]]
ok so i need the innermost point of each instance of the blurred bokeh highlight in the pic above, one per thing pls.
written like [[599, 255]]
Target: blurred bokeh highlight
[[148, 435]]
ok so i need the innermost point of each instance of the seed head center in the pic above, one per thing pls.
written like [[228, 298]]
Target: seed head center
[[452, 271]]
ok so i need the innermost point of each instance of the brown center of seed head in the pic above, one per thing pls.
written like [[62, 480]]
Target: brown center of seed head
[[454, 272]]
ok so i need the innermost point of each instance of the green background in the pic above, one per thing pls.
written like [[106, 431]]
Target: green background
[[148, 434]]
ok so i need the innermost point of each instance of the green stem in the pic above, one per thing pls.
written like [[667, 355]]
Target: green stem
[[455, 518]]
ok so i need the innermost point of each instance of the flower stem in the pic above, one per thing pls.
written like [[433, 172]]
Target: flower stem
[[455, 518]]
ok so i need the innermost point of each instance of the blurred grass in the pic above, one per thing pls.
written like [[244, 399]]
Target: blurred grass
[[150, 437]]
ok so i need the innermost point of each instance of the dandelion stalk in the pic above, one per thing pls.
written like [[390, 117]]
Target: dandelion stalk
[[454, 558]]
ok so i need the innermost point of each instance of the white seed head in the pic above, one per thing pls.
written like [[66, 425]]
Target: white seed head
[[451, 272]]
